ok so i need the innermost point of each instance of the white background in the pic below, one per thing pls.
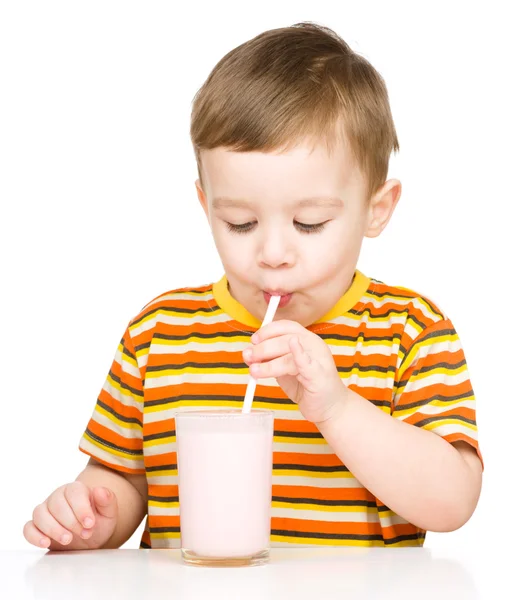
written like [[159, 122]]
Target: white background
[[99, 212]]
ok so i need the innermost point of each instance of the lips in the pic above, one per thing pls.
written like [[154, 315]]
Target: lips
[[285, 298]]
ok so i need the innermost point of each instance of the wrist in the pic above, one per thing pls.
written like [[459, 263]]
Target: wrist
[[335, 410]]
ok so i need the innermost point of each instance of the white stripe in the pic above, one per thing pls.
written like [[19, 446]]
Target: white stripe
[[152, 416], [432, 409], [134, 432], [161, 447], [433, 379], [201, 346], [344, 349], [350, 349], [108, 456], [337, 516], [449, 428], [420, 305], [125, 398], [170, 480], [165, 543], [299, 448], [175, 295], [131, 369], [203, 377], [366, 320], [417, 302], [449, 345], [202, 317], [166, 511]]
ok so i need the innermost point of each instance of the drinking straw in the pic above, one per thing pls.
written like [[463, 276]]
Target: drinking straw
[[251, 386]]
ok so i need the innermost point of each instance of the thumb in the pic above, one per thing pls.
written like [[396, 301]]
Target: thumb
[[105, 502]]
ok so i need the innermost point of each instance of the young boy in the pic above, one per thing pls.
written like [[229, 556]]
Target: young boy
[[375, 432]]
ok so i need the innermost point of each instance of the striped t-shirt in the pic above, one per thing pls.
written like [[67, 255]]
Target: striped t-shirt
[[184, 349]]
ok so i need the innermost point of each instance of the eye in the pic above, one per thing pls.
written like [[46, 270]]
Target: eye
[[316, 227], [303, 227], [243, 228]]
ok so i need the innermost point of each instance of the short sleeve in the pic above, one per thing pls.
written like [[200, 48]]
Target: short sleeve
[[432, 386], [114, 435]]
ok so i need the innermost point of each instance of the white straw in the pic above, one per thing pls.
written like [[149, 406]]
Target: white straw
[[251, 386]]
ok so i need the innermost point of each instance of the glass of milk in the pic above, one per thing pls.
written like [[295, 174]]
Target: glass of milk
[[225, 462]]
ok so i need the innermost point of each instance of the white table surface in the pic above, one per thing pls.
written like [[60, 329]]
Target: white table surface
[[325, 573]]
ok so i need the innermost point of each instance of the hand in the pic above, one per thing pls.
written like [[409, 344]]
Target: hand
[[302, 364], [74, 517]]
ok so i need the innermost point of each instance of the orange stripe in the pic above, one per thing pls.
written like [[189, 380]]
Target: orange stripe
[[163, 491], [316, 493], [301, 525], [296, 458], [162, 521], [159, 460]]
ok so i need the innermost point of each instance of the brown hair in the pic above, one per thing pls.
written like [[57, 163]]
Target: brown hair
[[295, 83]]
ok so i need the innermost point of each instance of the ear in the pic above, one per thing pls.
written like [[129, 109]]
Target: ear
[[202, 198], [381, 207]]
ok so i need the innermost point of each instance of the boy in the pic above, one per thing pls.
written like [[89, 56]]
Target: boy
[[375, 432]]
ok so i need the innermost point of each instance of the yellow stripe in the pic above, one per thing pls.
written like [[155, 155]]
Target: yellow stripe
[[312, 474], [323, 542], [363, 374], [163, 473], [111, 451], [428, 342], [158, 442], [116, 420], [162, 536], [299, 440], [129, 360], [439, 370], [174, 313], [447, 421], [324, 508], [440, 403], [163, 504], [204, 369], [123, 391], [218, 337], [223, 404]]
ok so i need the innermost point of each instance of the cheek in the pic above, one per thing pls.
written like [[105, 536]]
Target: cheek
[[234, 250], [333, 250]]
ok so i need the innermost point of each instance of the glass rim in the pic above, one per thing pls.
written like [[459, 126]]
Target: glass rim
[[225, 412]]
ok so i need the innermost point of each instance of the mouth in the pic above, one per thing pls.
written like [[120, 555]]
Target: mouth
[[284, 298]]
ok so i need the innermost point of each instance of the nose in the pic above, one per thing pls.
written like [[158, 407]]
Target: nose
[[275, 249]]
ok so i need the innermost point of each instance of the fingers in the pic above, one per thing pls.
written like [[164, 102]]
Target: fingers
[[67, 512], [78, 515], [307, 368], [105, 502], [267, 350], [276, 328], [294, 360], [34, 536], [285, 365], [46, 524]]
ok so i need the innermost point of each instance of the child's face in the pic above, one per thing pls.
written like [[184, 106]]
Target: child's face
[[275, 242]]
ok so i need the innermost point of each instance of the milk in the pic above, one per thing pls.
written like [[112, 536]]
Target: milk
[[225, 471]]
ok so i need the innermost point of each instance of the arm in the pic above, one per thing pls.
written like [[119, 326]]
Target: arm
[[131, 493], [426, 480], [117, 516]]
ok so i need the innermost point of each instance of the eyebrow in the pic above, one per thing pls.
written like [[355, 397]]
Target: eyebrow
[[226, 202]]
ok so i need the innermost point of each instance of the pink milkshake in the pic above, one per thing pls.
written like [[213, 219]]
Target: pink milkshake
[[225, 460]]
